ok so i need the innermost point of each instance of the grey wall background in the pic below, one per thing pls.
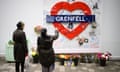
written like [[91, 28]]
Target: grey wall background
[[12, 11], [31, 11], [110, 27]]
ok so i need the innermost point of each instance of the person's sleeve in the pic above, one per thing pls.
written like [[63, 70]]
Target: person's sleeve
[[25, 43], [56, 35], [38, 42], [14, 49]]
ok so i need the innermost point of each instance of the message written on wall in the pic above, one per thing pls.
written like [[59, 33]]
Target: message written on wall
[[78, 23]]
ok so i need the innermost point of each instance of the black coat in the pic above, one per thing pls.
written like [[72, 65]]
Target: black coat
[[45, 50], [20, 45]]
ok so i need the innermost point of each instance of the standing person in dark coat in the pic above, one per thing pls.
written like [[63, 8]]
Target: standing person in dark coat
[[45, 50], [20, 47]]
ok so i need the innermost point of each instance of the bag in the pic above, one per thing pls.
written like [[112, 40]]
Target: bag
[[27, 64]]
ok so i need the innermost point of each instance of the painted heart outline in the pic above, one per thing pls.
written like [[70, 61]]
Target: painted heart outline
[[70, 7]]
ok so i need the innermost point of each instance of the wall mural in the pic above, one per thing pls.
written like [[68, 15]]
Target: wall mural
[[78, 22]]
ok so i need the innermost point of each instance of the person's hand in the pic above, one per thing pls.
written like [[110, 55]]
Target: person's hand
[[56, 35], [56, 31]]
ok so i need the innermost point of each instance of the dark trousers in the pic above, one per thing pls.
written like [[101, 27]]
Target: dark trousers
[[17, 66], [48, 69]]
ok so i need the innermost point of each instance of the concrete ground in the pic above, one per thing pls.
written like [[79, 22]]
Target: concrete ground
[[112, 66]]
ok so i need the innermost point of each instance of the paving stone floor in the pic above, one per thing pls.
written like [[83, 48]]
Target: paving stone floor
[[112, 66]]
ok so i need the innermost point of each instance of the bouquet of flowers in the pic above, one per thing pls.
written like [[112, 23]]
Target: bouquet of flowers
[[105, 55]]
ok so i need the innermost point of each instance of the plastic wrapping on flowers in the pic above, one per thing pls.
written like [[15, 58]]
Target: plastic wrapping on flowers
[[103, 56]]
